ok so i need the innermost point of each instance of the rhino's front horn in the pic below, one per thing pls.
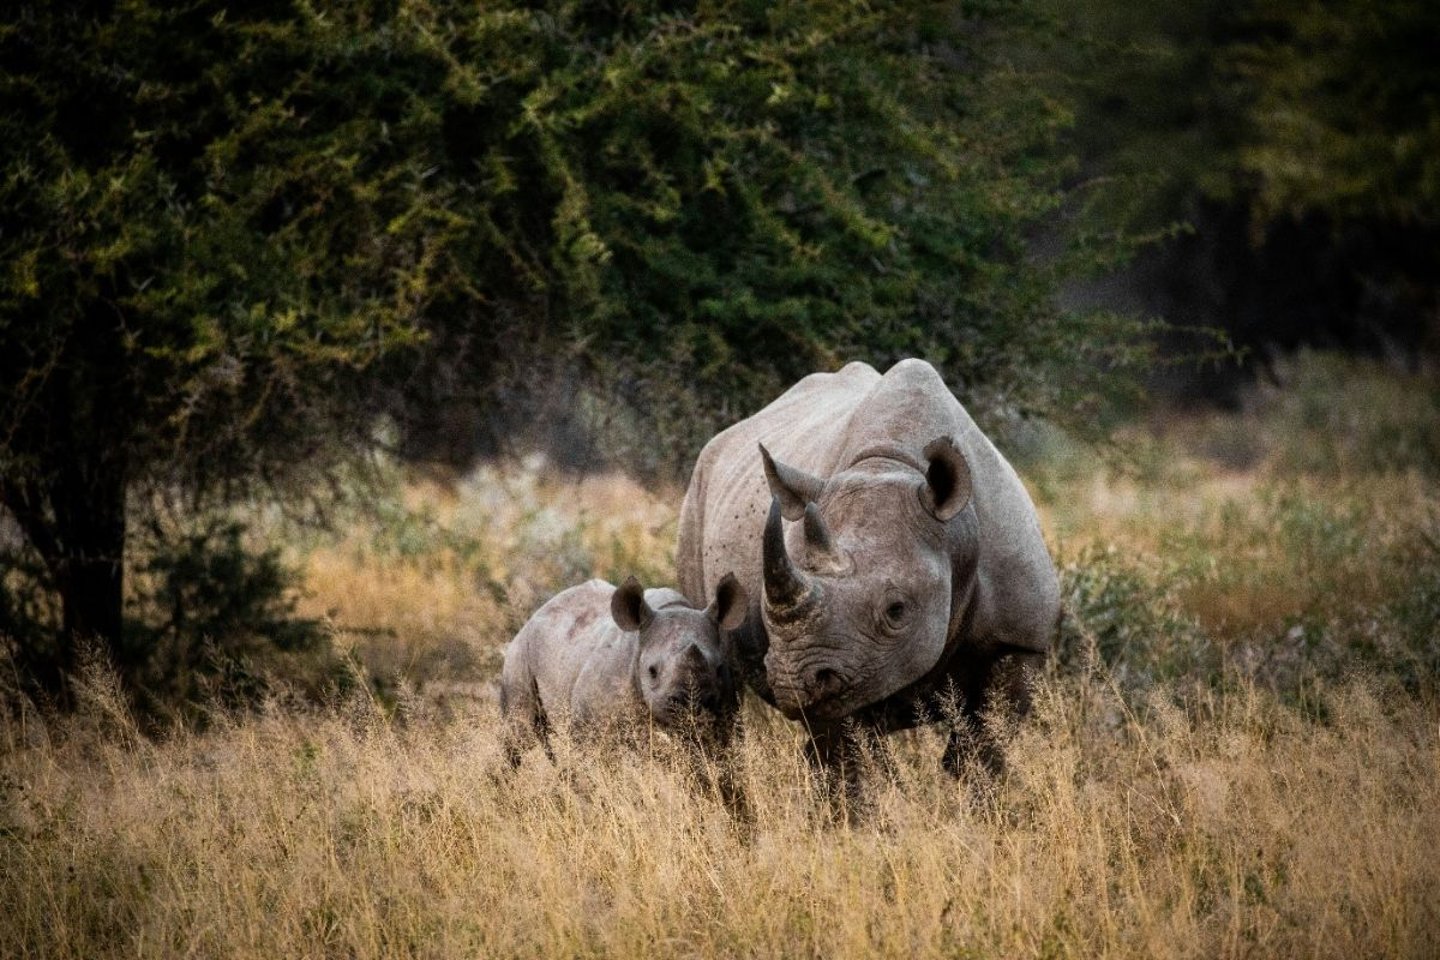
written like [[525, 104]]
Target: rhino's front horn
[[788, 590]]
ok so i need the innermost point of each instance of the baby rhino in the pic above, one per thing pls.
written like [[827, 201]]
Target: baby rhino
[[598, 656]]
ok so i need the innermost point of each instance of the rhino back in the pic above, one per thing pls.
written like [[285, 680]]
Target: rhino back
[[661, 598], [572, 645]]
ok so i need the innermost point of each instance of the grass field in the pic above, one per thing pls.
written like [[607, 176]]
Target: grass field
[[1235, 751]]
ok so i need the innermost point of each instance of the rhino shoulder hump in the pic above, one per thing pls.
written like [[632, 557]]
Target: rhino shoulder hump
[[912, 367]]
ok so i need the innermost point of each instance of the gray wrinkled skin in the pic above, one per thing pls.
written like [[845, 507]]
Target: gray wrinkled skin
[[588, 660], [916, 568]]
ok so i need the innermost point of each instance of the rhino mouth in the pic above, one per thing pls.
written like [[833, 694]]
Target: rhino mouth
[[691, 707]]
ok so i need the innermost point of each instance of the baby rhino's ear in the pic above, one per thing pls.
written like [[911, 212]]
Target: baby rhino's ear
[[628, 606], [731, 603]]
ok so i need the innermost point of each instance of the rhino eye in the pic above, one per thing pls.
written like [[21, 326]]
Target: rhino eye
[[654, 671], [895, 613]]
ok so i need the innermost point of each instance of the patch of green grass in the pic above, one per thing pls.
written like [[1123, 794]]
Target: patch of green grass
[[1312, 562]]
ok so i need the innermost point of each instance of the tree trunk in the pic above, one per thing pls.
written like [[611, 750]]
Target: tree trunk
[[89, 506], [74, 517], [69, 498]]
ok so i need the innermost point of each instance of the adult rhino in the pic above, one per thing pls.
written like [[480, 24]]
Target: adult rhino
[[917, 570]]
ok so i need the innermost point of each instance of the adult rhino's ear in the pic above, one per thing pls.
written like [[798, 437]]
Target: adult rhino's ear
[[947, 479], [628, 606], [794, 488], [731, 603]]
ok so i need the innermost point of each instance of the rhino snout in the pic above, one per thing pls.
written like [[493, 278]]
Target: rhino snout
[[799, 689], [695, 692], [695, 701], [695, 696]]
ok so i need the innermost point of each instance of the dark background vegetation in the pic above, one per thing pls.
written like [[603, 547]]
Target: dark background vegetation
[[246, 245]]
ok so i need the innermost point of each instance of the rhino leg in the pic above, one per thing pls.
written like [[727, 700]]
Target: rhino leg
[[524, 716], [715, 766], [839, 756], [971, 747], [996, 704]]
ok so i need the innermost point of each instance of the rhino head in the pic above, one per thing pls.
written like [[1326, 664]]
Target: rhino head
[[858, 602], [683, 670]]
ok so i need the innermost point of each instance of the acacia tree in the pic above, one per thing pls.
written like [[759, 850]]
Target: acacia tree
[[201, 266], [714, 199], [1344, 113]]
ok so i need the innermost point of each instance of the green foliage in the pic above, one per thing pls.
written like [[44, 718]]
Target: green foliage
[[777, 194], [212, 615], [1288, 108], [1345, 111], [206, 246], [1132, 622], [732, 194], [1281, 153], [167, 195], [1158, 118], [703, 204]]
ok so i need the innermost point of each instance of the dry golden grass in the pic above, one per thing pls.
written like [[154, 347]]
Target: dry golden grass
[[433, 587], [1301, 535], [1223, 828], [1249, 551]]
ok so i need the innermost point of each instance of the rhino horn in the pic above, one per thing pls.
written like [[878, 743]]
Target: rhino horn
[[787, 588], [793, 486], [820, 551]]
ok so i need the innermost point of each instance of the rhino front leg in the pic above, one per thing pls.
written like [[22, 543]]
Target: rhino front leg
[[716, 766], [841, 756], [990, 714], [971, 746]]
